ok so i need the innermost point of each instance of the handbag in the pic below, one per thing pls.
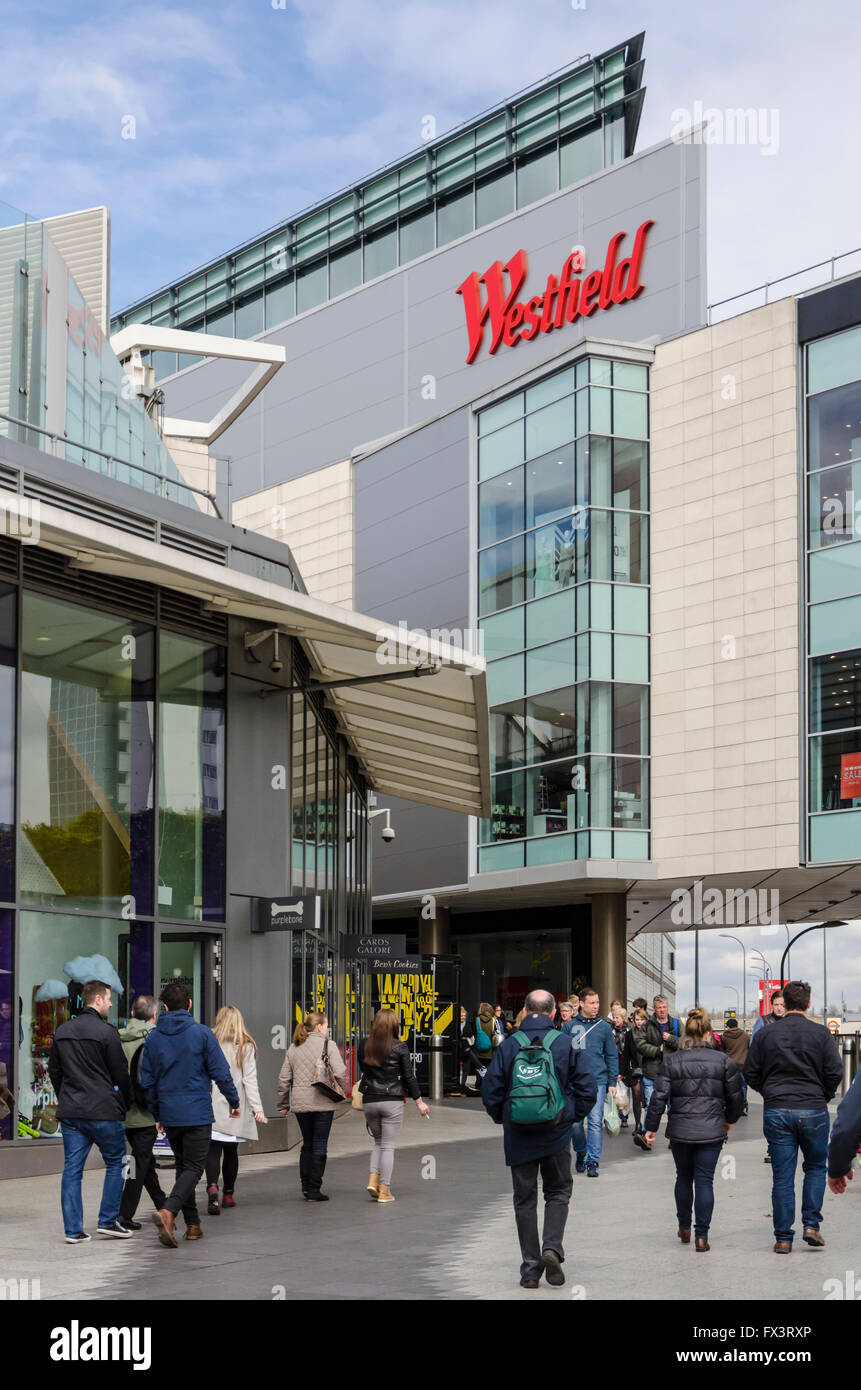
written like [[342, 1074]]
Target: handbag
[[357, 1100], [324, 1077]]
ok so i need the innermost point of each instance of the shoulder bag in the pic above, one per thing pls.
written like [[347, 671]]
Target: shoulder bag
[[325, 1079]]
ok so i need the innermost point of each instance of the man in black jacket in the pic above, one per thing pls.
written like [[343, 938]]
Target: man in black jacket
[[845, 1138], [797, 1069], [548, 1150], [89, 1073]]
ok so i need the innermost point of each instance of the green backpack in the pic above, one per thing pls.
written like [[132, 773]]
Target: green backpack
[[535, 1096]]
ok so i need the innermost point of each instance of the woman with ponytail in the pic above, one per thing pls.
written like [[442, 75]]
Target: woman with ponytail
[[312, 1107], [704, 1092]]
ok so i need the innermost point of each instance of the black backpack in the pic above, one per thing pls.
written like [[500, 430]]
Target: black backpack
[[138, 1092]]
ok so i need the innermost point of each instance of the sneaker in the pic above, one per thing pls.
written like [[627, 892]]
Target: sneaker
[[530, 1283], [213, 1208], [592, 1170], [115, 1228], [80, 1239], [640, 1141], [228, 1199], [552, 1267], [580, 1165], [129, 1225]]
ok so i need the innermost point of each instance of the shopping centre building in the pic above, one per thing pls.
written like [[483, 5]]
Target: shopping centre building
[[491, 410]]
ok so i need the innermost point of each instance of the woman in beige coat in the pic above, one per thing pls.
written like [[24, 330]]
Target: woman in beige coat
[[311, 1106], [240, 1050]]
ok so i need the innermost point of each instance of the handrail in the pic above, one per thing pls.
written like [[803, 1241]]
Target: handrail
[[769, 284], [114, 458]]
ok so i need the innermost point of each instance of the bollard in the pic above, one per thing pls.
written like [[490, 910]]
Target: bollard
[[436, 1046], [848, 1063]]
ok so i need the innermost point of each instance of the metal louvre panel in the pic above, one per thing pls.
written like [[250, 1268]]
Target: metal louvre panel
[[183, 610], [9, 556], [88, 506], [194, 545], [46, 568]]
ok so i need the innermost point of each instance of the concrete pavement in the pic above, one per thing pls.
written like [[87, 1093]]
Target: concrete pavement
[[449, 1235]]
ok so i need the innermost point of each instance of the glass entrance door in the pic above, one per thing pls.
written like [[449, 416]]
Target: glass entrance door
[[193, 959]]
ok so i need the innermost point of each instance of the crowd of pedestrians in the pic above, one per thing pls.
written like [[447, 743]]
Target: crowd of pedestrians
[[555, 1078]]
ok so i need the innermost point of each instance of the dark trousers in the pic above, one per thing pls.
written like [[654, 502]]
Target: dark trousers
[[636, 1089], [190, 1144], [695, 1175], [142, 1173], [556, 1181], [225, 1157], [315, 1126]]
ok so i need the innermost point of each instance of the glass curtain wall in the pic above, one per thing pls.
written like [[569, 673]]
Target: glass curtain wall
[[833, 396], [563, 604]]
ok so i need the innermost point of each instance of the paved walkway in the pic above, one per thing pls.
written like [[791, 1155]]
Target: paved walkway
[[449, 1235]]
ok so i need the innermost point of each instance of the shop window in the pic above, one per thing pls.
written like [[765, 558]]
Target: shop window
[[552, 388], [630, 414], [835, 692], [58, 955], [381, 253], [191, 800], [834, 360], [508, 809], [835, 772], [630, 719], [86, 777], [505, 680], [549, 485], [416, 236], [832, 623], [834, 426], [836, 572], [280, 303], [630, 474], [551, 798], [507, 736], [630, 608], [249, 317], [345, 271], [495, 416], [501, 576], [311, 287], [552, 726], [582, 155], [8, 607]]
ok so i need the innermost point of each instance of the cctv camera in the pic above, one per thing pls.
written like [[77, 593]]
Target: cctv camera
[[388, 834], [276, 666]]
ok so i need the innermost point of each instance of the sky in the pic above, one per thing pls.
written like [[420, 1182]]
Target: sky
[[245, 113]]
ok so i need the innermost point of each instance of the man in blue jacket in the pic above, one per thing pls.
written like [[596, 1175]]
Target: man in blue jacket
[[591, 1033], [546, 1149], [179, 1061]]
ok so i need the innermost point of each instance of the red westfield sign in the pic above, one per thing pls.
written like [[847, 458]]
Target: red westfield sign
[[563, 299]]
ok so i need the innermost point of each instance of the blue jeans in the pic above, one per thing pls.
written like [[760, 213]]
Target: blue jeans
[[314, 1126], [589, 1141], [787, 1131], [79, 1136], [695, 1174]]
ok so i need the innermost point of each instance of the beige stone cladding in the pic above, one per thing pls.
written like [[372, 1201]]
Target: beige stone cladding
[[724, 542], [313, 514]]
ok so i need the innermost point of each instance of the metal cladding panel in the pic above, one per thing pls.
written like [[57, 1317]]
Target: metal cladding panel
[[83, 240], [392, 353], [429, 849]]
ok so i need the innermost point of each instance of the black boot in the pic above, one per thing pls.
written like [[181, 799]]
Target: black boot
[[315, 1179], [304, 1169]]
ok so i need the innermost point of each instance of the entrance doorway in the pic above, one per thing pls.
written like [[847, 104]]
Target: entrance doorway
[[194, 959]]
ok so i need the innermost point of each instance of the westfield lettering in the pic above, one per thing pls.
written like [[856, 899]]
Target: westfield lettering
[[563, 299]]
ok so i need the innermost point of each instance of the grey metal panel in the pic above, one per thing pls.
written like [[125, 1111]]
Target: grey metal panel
[[429, 850], [355, 367]]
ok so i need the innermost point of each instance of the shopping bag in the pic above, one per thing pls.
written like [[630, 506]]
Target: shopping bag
[[612, 1123], [623, 1098]]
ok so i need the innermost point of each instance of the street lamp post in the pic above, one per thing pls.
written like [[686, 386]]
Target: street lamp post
[[814, 927], [743, 969], [735, 992]]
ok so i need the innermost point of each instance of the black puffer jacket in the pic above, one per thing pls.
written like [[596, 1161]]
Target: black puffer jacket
[[394, 1080], [88, 1069], [704, 1091]]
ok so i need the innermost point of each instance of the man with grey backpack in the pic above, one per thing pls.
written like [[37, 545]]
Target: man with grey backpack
[[536, 1087]]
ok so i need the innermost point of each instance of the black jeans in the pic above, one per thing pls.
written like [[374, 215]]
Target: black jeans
[[315, 1126], [556, 1181], [229, 1153], [695, 1174], [142, 1173], [190, 1144]]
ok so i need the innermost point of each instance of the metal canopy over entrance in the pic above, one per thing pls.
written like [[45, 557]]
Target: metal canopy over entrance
[[422, 739]]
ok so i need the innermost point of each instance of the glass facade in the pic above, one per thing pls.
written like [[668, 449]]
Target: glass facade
[[113, 744], [524, 151], [833, 398], [563, 603]]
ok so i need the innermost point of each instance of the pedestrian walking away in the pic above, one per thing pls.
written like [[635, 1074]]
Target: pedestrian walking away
[[703, 1089], [628, 1061], [778, 1011], [735, 1043], [796, 1068], [485, 1031], [845, 1139], [89, 1073], [592, 1033], [180, 1060], [387, 1080], [468, 1062], [240, 1052], [536, 1087], [299, 1090], [140, 1125]]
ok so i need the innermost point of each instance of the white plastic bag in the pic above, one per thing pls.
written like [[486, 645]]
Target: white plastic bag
[[612, 1123], [623, 1098]]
